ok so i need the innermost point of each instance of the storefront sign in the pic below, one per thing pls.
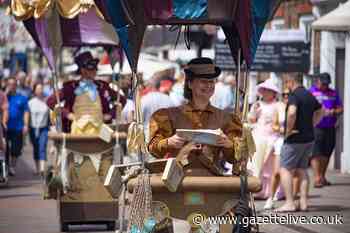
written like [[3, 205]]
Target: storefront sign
[[270, 57]]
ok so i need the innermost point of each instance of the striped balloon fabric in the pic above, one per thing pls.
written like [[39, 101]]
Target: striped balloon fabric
[[242, 20], [53, 28]]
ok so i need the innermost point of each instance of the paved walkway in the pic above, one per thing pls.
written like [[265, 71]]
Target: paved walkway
[[22, 209], [329, 201]]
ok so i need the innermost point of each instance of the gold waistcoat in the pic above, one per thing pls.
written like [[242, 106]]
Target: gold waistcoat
[[88, 115]]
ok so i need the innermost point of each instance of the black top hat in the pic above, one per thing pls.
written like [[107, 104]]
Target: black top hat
[[86, 60], [202, 67]]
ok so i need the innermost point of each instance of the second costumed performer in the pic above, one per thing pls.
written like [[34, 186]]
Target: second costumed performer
[[198, 113], [86, 109], [86, 101]]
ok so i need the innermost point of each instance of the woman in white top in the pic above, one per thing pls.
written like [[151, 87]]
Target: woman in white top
[[39, 127], [276, 193]]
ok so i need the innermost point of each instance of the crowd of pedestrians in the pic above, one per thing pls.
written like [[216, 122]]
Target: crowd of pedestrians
[[24, 118], [292, 132]]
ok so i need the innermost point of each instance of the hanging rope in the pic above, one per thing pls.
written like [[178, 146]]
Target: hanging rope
[[238, 83], [187, 37], [117, 150], [57, 110], [244, 149], [136, 136], [246, 97], [178, 29], [141, 217]]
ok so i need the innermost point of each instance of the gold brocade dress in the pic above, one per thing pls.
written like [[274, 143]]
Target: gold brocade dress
[[87, 172]]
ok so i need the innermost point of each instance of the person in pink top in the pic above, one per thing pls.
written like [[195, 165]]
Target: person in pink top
[[262, 116]]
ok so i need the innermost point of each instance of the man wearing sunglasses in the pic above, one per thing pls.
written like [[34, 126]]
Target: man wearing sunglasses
[[86, 101]]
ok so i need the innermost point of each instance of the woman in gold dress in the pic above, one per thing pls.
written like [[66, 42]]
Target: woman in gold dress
[[198, 113]]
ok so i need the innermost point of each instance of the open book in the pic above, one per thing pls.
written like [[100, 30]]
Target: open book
[[113, 182], [105, 133], [202, 136]]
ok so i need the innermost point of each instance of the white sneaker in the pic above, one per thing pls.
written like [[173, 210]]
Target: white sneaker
[[269, 204], [12, 171]]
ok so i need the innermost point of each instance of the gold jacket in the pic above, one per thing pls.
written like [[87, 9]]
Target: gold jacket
[[164, 122]]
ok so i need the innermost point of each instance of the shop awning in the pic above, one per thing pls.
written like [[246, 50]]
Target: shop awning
[[336, 20]]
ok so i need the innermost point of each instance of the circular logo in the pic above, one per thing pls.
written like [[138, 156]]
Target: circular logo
[[196, 219]]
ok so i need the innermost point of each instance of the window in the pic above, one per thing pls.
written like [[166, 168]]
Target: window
[[305, 22], [278, 24]]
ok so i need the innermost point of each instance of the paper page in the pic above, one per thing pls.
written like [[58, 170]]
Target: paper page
[[202, 136]]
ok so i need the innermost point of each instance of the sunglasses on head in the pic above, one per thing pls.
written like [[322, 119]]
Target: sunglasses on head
[[90, 66]]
